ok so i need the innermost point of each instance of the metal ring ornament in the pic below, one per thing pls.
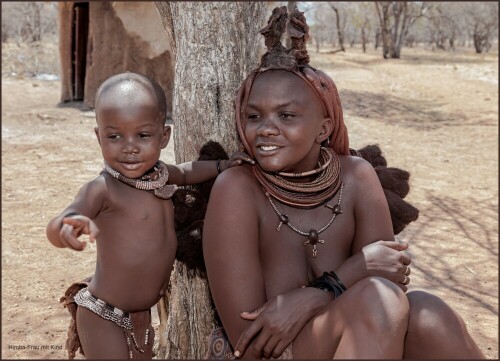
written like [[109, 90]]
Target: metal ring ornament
[[406, 280], [407, 271]]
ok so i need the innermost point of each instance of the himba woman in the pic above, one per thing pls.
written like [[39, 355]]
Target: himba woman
[[309, 218]]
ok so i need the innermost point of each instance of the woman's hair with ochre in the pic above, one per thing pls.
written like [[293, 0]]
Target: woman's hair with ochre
[[112, 84]]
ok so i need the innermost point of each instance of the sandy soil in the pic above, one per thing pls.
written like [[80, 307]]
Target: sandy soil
[[434, 114]]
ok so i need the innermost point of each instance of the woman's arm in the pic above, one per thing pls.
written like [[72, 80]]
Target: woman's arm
[[374, 251], [231, 251], [63, 229], [371, 211]]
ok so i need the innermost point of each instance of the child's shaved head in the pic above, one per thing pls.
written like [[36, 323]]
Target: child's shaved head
[[128, 89]]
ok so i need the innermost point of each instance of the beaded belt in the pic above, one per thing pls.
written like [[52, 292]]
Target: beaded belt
[[103, 309]]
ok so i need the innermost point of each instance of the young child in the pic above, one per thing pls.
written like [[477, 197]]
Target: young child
[[128, 210]]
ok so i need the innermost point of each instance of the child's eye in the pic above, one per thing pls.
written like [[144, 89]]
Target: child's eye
[[144, 135], [113, 136]]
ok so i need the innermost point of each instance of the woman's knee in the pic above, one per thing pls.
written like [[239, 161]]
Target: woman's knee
[[380, 304], [435, 330], [431, 316]]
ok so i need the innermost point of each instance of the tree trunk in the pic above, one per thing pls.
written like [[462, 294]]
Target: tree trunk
[[215, 46], [31, 29], [364, 33], [396, 15], [395, 19], [37, 27], [340, 32], [377, 39], [382, 9], [478, 43]]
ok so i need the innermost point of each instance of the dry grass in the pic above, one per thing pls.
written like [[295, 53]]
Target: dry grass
[[28, 60]]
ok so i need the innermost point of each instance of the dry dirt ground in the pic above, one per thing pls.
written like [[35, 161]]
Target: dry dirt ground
[[434, 114]]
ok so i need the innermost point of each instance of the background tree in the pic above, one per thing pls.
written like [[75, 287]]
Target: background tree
[[361, 23], [443, 27], [396, 19], [320, 24], [482, 23], [341, 18], [28, 21], [215, 46]]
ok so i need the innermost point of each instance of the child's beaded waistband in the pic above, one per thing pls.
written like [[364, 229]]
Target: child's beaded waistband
[[103, 309]]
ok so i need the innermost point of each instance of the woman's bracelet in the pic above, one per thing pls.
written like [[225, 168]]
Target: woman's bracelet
[[329, 282], [334, 275]]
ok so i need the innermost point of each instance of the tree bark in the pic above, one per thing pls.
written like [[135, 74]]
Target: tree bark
[[396, 18], [382, 9], [377, 38], [215, 46], [364, 39], [340, 31]]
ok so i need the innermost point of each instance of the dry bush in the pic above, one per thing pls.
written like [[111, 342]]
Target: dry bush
[[26, 60], [28, 21], [29, 38]]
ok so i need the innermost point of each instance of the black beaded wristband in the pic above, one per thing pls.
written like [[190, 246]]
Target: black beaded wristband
[[334, 275], [327, 282], [71, 214], [68, 215]]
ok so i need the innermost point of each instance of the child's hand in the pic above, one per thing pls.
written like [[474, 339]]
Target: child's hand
[[236, 159], [73, 227]]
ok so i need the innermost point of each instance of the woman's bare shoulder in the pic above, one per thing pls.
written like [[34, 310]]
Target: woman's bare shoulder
[[357, 169], [236, 191], [236, 180]]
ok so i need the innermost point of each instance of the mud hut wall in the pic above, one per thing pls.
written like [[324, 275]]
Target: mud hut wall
[[127, 36], [65, 46]]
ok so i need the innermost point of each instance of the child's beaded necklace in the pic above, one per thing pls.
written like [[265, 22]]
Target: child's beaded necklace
[[154, 181]]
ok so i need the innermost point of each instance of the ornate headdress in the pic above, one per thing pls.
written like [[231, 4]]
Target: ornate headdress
[[295, 60]]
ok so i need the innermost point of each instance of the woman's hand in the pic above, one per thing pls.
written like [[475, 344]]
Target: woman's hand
[[73, 227], [386, 259], [236, 159], [277, 322]]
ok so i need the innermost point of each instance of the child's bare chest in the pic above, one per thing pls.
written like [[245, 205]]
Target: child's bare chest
[[137, 216], [136, 247]]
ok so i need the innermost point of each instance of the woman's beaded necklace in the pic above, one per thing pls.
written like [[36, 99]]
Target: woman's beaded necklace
[[307, 194], [312, 235]]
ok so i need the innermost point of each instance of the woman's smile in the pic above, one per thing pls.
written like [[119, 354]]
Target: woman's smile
[[268, 149]]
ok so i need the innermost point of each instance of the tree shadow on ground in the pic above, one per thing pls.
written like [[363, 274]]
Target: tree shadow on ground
[[430, 58], [477, 227], [410, 113]]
